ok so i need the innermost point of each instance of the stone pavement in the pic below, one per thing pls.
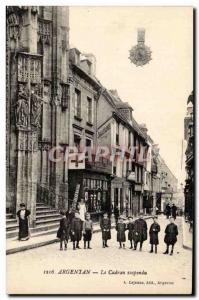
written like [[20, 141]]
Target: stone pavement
[[102, 270], [14, 246]]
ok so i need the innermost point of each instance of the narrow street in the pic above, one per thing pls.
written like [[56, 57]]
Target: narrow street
[[47, 267]]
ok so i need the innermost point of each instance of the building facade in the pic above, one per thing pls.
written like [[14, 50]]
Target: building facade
[[37, 44], [189, 137]]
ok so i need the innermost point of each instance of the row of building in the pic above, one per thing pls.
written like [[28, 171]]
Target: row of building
[[56, 104], [189, 162]]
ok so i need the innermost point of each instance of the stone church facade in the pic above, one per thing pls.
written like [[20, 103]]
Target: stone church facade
[[37, 49]]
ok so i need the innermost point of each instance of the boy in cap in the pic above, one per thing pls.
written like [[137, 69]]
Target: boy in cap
[[153, 233], [63, 231], [87, 230], [76, 230], [105, 225], [130, 228], [121, 227]]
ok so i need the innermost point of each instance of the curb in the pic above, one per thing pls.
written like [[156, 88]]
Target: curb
[[41, 244]]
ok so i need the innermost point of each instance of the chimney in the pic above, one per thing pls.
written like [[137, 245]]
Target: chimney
[[92, 59], [74, 56]]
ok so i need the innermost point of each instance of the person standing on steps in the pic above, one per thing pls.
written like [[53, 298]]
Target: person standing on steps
[[23, 217], [168, 210], [120, 228], [105, 225], [130, 228], [171, 233], [140, 231], [87, 230], [76, 230], [153, 233]]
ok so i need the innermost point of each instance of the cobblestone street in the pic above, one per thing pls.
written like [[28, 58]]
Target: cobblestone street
[[47, 266]]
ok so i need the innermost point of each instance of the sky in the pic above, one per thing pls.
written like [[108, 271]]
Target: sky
[[158, 91]]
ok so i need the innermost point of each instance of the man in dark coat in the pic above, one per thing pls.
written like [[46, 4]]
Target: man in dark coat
[[174, 211], [171, 233], [168, 210], [23, 216], [76, 230], [105, 225], [130, 228], [153, 233], [140, 232]]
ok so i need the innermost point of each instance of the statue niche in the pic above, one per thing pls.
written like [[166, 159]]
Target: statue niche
[[22, 107]]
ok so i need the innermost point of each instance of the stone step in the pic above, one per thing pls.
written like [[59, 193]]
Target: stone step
[[11, 221], [11, 227], [46, 212], [40, 230], [47, 216], [47, 221], [9, 216], [42, 208]]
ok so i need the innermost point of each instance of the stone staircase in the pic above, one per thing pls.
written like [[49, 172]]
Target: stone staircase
[[47, 222]]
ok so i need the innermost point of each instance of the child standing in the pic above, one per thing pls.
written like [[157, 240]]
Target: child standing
[[130, 228], [76, 231], [153, 232], [87, 230], [105, 225], [121, 227], [63, 231]]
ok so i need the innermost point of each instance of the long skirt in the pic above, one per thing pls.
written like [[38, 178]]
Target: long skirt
[[23, 229]]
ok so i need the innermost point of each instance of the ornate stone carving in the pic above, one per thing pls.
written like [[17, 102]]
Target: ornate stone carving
[[22, 107], [47, 93], [14, 27], [36, 105], [35, 70], [29, 68], [44, 31], [23, 72]]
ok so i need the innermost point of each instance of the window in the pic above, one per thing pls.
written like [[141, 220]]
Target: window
[[77, 103], [89, 111], [117, 133], [77, 140]]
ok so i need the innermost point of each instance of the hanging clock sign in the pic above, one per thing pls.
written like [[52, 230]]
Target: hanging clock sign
[[140, 54]]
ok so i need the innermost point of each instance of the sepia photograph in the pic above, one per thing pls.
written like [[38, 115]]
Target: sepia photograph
[[100, 176]]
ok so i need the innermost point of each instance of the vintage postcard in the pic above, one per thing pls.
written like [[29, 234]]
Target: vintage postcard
[[99, 156]]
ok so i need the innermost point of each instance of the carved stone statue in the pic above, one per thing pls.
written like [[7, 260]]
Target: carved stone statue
[[36, 105], [22, 107]]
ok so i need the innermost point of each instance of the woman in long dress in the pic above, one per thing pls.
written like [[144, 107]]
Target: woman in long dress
[[23, 216]]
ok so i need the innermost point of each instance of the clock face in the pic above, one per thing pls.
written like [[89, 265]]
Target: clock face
[[140, 55]]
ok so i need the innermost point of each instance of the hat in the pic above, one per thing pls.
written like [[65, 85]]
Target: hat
[[130, 217], [105, 213], [141, 214], [22, 205]]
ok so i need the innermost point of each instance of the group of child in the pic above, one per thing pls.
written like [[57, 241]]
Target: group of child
[[137, 232]]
